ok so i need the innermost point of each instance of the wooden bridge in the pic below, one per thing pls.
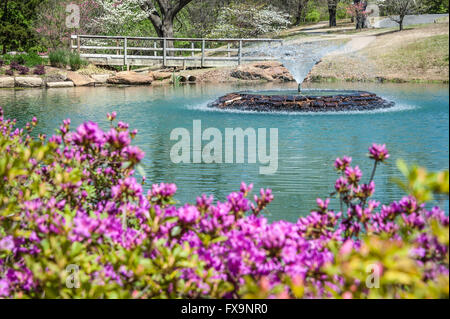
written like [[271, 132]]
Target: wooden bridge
[[167, 52]]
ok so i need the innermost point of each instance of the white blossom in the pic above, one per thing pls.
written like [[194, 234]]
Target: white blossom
[[115, 14], [243, 20]]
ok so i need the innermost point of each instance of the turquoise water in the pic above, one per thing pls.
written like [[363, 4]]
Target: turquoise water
[[416, 130]]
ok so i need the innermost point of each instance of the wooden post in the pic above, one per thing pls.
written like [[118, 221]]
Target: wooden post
[[203, 52], [192, 47], [240, 53], [71, 43], [164, 52], [229, 47], [155, 53], [125, 49], [117, 45], [78, 44]]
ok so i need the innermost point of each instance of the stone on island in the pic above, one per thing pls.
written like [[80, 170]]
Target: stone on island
[[353, 101]]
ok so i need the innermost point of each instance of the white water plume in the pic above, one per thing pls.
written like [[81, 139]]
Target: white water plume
[[299, 59]]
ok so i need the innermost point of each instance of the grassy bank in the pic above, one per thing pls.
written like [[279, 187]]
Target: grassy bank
[[417, 54]]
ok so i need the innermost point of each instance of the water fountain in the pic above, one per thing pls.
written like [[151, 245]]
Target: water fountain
[[297, 102], [299, 63]]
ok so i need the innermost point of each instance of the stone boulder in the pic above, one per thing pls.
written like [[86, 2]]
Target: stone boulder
[[100, 78], [56, 77], [65, 84], [160, 76], [7, 82], [280, 73], [80, 79], [269, 71], [29, 82], [251, 73], [266, 64], [130, 78]]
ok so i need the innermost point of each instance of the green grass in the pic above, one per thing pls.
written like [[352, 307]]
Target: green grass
[[59, 58], [431, 52], [76, 62]]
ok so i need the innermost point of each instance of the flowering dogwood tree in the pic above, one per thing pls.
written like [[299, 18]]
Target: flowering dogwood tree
[[116, 14], [243, 20]]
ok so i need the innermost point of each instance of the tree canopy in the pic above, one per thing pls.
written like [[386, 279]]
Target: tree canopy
[[40, 24], [16, 28]]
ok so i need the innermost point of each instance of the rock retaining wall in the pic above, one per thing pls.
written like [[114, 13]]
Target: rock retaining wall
[[301, 103]]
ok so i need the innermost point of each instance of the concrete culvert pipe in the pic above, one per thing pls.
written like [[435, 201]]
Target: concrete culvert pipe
[[187, 78]]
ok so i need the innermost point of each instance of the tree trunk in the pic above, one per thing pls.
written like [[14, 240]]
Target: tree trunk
[[360, 21], [332, 13], [162, 20], [300, 12], [361, 18], [400, 23], [166, 31]]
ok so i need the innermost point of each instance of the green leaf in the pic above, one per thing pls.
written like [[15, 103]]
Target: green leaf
[[175, 231], [140, 170]]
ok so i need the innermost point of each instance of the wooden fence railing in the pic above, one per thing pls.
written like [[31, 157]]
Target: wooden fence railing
[[167, 52]]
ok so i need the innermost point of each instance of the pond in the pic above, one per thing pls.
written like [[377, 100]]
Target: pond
[[416, 130]]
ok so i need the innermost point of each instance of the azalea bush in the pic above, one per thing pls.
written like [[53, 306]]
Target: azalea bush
[[75, 222]]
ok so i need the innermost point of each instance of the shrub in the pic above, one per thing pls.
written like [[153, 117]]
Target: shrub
[[37, 49], [33, 59], [9, 72], [19, 58], [82, 209], [1, 63], [23, 70], [7, 58], [341, 11], [76, 62], [39, 70], [59, 58], [14, 65], [312, 16]]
